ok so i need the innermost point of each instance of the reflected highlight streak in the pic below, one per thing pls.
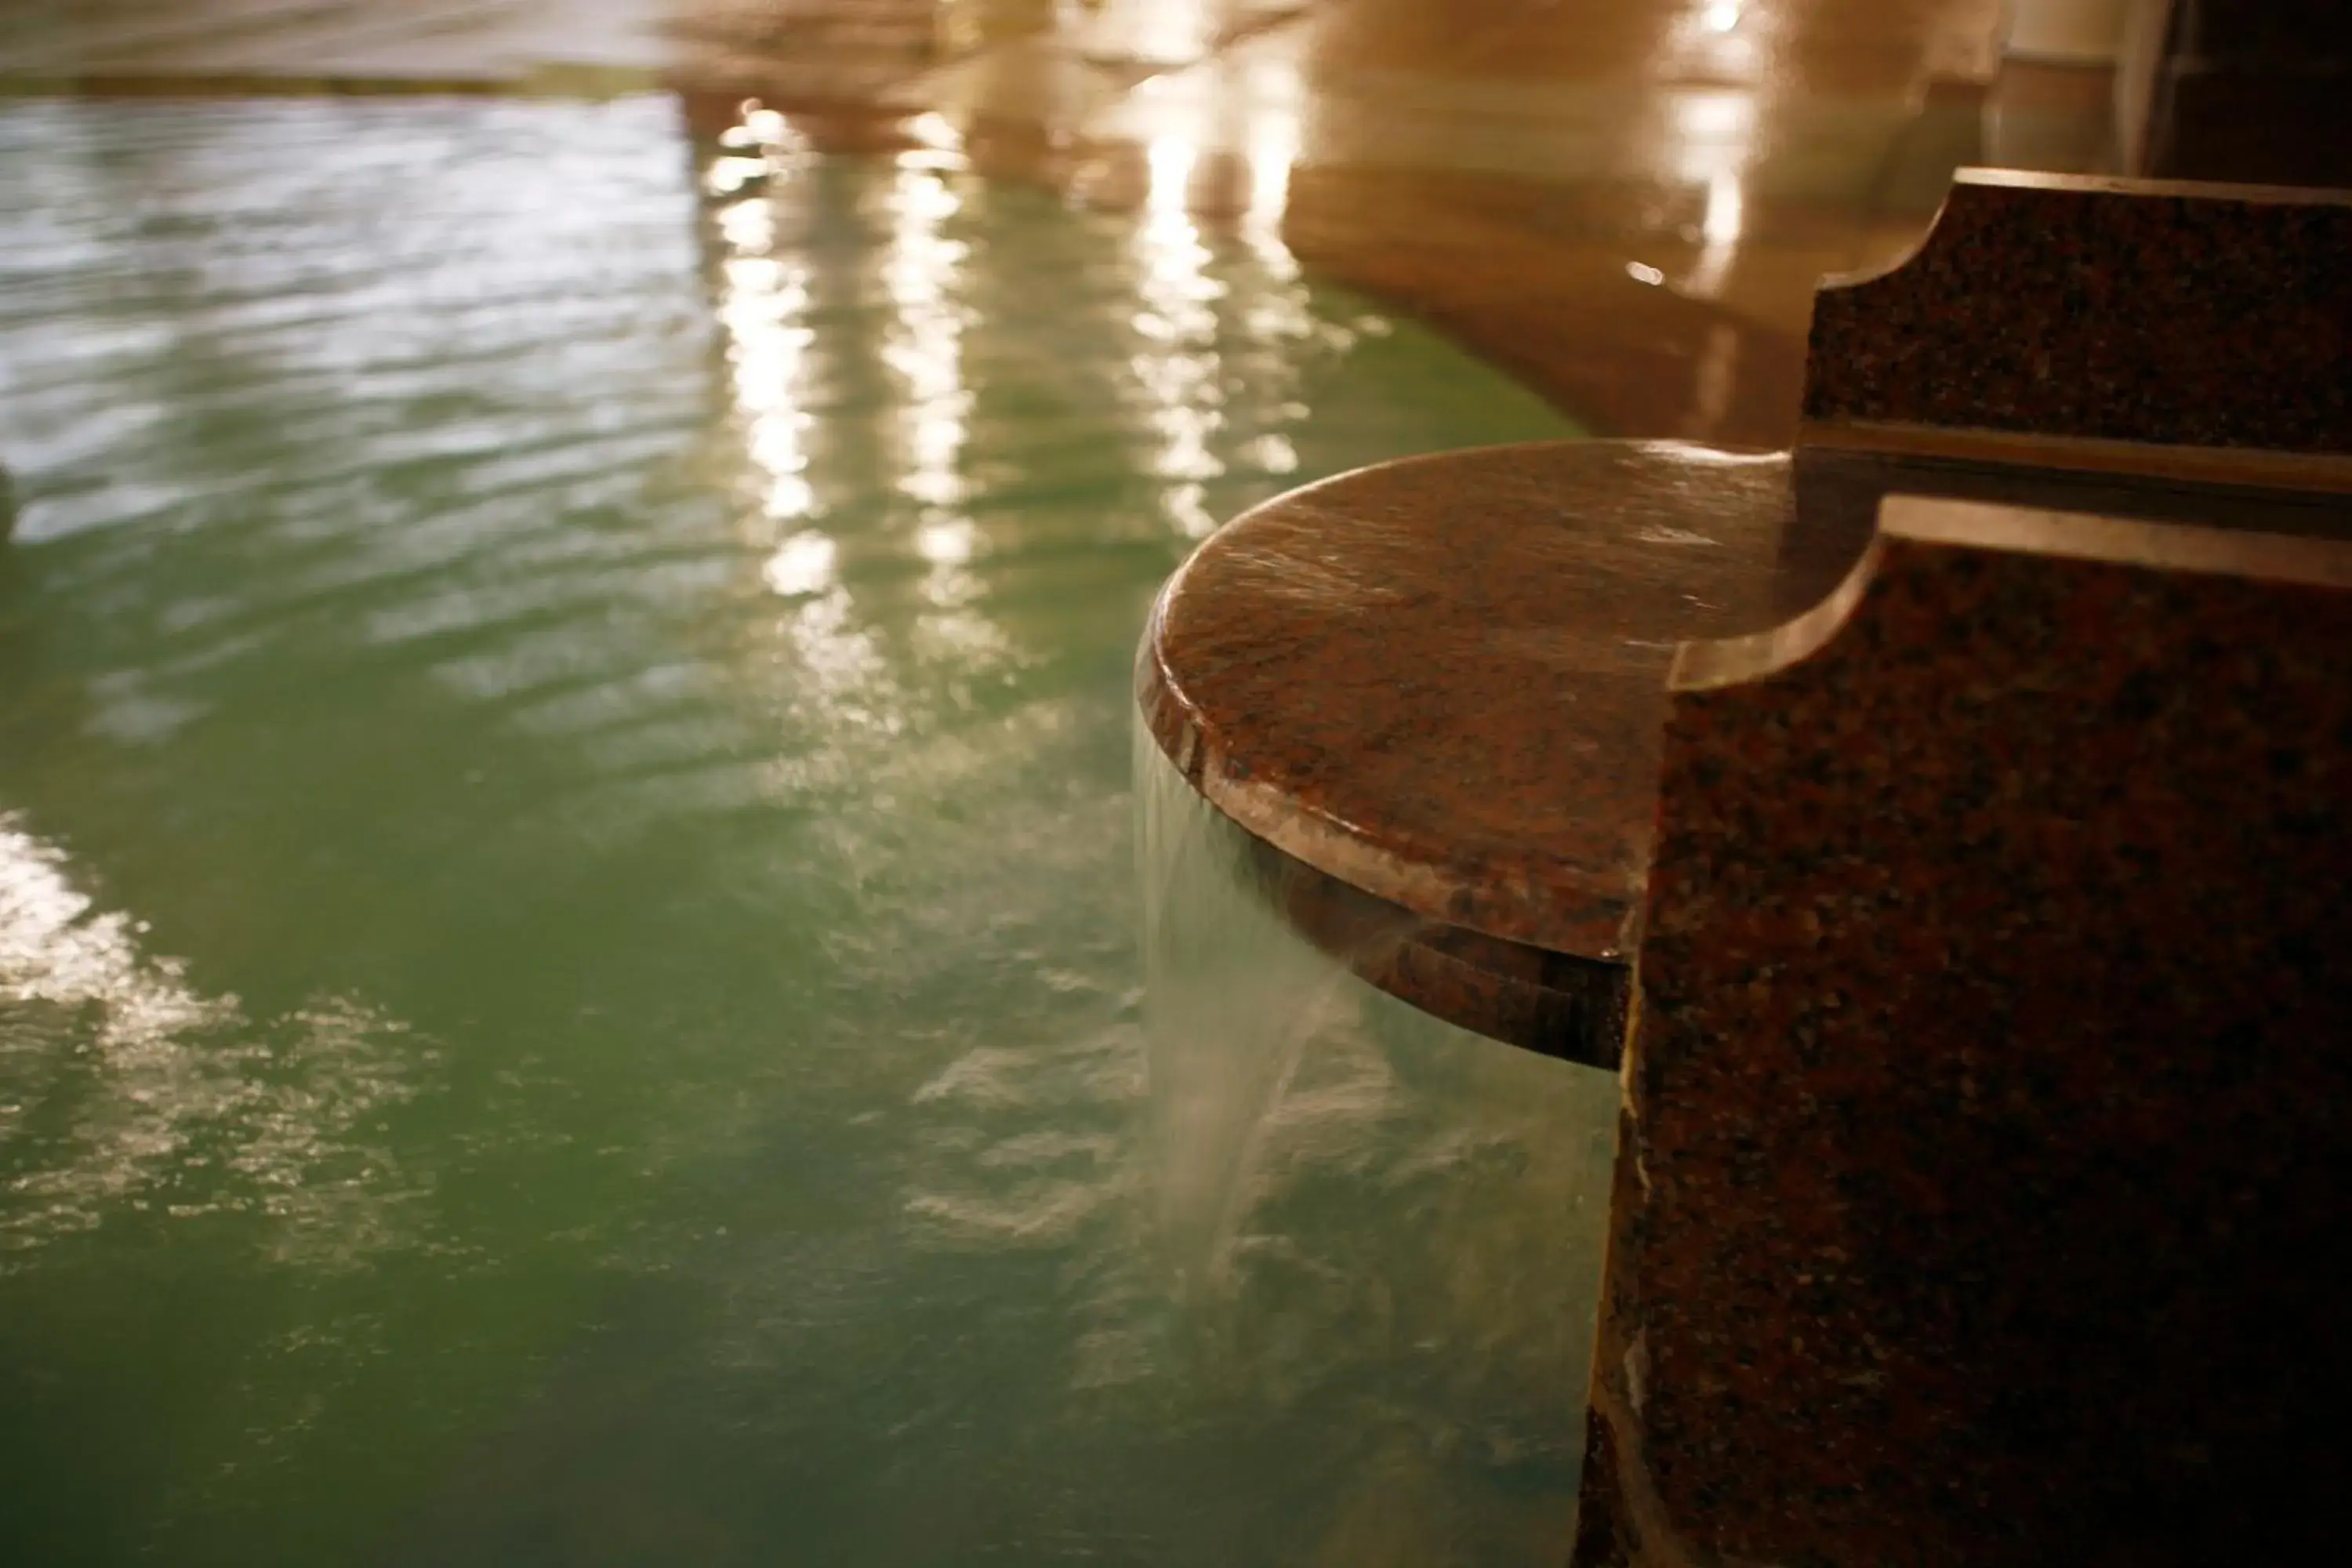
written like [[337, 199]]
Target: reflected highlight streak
[[1178, 370], [766, 302], [764, 307], [1714, 43], [1720, 229], [1274, 145], [1173, 161], [1160, 32], [921, 275], [802, 565], [948, 546], [1715, 136]]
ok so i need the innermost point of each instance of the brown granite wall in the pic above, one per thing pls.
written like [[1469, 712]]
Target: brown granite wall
[[2253, 90], [2113, 310], [1985, 1172]]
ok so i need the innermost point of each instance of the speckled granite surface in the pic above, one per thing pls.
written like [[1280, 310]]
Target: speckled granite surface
[[1444, 681], [1989, 1116], [2216, 316], [1989, 1120], [1440, 680]]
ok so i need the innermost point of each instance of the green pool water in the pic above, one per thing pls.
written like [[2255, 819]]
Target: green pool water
[[568, 979]]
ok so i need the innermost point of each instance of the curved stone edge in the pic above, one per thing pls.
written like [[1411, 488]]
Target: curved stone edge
[[1264, 812], [1554, 1004], [1331, 845]]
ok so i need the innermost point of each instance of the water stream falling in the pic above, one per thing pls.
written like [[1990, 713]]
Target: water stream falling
[[1278, 1079], [1232, 999]]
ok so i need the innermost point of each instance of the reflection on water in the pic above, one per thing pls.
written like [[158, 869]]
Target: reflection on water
[[127, 1096], [566, 980]]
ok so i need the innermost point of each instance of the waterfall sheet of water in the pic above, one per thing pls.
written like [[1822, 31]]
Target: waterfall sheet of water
[[1231, 999], [1274, 1071]]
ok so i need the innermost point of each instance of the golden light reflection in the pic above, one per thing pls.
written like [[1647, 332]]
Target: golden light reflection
[[176, 1105], [1247, 106], [768, 293], [948, 547], [1711, 131], [1714, 133], [921, 275], [1716, 42], [1173, 160], [729, 174], [847, 670], [764, 302], [1158, 32], [758, 130], [946, 543], [1242, 113], [1719, 232], [935, 131], [1274, 454], [1273, 152], [953, 629], [763, 309], [802, 565], [1178, 369]]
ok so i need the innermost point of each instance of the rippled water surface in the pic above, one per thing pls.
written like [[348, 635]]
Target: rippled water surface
[[568, 991]]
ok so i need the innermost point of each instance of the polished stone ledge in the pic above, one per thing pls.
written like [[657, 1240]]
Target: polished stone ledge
[[1444, 682]]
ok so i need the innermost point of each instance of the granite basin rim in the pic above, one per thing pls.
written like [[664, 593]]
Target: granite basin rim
[[1442, 680]]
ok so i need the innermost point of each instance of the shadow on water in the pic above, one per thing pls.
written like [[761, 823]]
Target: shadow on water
[[567, 990]]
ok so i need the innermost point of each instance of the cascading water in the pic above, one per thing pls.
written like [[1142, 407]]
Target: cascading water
[[1279, 1081], [1231, 999]]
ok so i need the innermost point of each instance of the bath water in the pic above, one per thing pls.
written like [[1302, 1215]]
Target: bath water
[[569, 986]]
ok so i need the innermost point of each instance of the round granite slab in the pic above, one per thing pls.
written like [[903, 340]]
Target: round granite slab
[[1437, 687], [1440, 681]]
